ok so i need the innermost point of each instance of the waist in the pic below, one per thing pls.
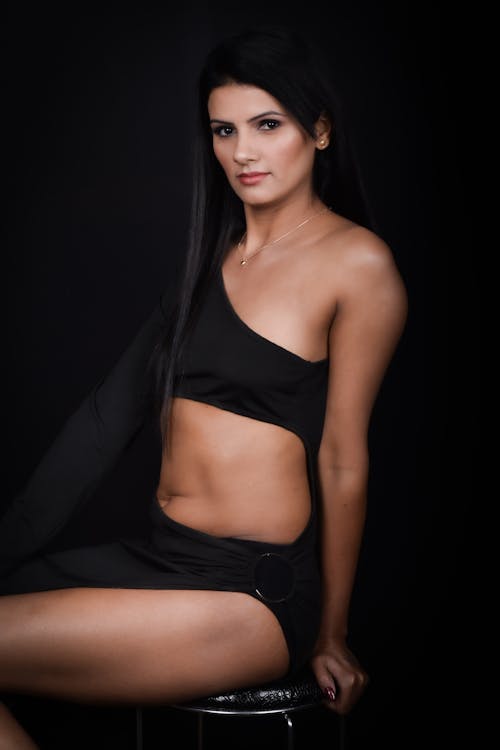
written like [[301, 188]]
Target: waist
[[235, 520], [302, 545], [229, 475]]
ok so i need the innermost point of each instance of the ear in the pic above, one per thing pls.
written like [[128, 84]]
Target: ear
[[323, 129]]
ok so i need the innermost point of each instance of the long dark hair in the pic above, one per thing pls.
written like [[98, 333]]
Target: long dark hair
[[286, 65]]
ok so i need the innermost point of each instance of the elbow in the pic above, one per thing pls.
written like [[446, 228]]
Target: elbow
[[349, 461], [346, 475]]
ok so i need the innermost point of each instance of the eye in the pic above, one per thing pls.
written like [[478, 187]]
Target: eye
[[269, 124], [222, 130]]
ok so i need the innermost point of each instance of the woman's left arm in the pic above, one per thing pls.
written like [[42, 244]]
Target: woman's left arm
[[369, 319]]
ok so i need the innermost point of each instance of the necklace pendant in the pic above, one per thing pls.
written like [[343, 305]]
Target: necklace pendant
[[243, 262]]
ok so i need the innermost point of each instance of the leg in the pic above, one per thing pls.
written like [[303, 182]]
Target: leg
[[130, 645]]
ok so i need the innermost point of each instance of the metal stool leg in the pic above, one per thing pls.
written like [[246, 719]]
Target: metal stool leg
[[200, 731], [138, 729], [289, 722], [342, 733]]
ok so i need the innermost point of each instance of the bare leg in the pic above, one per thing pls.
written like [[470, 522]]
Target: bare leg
[[128, 645], [12, 735]]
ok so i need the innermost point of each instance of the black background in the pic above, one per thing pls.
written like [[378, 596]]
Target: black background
[[98, 114]]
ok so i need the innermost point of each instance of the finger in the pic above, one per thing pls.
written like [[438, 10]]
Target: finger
[[326, 683]]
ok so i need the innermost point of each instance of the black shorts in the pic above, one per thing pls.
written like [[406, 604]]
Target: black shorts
[[285, 577]]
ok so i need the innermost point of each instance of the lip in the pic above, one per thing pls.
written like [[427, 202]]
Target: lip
[[251, 178]]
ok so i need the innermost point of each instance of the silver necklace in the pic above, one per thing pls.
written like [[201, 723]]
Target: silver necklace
[[244, 261]]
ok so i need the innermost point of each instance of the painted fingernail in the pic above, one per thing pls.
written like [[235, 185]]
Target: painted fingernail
[[330, 693]]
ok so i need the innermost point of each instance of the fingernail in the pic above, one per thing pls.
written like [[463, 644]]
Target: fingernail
[[330, 693]]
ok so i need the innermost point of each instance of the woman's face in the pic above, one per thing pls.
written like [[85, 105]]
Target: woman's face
[[264, 152]]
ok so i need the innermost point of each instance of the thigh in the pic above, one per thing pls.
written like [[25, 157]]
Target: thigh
[[130, 645]]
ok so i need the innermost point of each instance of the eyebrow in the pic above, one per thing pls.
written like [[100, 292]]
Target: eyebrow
[[256, 117]]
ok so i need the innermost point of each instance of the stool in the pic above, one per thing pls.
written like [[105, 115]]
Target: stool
[[281, 697]]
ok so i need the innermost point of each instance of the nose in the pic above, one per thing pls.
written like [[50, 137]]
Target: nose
[[244, 150]]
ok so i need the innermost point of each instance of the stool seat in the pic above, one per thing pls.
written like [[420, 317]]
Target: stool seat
[[287, 694], [281, 697]]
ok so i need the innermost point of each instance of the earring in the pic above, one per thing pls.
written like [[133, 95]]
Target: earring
[[322, 143]]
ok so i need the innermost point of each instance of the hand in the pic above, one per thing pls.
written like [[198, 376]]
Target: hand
[[339, 674]]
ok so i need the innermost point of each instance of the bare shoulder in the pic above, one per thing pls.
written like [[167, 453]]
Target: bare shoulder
[[349, 247], [358, 265]]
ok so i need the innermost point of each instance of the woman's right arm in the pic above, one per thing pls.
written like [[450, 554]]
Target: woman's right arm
[[87, 447]]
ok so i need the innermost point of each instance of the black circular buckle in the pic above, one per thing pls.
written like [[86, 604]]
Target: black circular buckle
[[274, 577]]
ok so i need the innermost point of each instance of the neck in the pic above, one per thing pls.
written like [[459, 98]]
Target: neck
[[265, 224]]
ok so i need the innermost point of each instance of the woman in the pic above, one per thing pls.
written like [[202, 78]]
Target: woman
[[268, 357]]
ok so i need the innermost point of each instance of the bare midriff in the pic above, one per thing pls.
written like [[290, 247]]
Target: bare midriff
[[230, 475]]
